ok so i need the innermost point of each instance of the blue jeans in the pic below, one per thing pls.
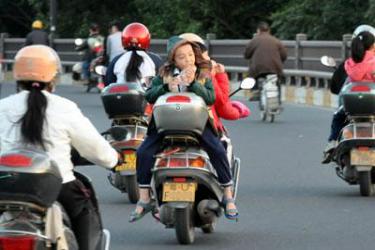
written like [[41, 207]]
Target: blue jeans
[[209, 141], [86, 70], [337, 124]]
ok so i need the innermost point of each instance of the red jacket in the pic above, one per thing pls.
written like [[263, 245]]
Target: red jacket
[[222, 107]]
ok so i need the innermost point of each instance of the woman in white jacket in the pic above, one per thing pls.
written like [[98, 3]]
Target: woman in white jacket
[[34, 117]]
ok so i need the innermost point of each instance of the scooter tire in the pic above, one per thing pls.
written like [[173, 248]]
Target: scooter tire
[[272, 118], [184, 225], [263, 115], [131, 186], [366, 188]]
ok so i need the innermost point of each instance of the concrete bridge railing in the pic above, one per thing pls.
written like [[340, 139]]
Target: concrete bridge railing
[[299, 86]]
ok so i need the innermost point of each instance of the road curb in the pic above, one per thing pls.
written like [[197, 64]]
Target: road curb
[[309, 96]]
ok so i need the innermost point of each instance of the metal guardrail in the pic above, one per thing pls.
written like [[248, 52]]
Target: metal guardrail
[[298, 78], [303, 62]]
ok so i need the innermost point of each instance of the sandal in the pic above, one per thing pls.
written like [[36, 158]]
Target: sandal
[[231, 214], [147, 207]]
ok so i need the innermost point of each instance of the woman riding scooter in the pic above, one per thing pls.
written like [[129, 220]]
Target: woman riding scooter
[[136, 64], [338, 80], [34, 117]]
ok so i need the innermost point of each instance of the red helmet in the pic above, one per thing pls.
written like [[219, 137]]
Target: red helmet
[[136, 35]]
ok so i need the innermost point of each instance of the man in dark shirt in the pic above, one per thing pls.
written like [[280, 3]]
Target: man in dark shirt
[[37, 35]]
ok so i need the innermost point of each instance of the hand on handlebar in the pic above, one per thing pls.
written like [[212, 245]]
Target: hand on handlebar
[[120, 161], [173, 85]]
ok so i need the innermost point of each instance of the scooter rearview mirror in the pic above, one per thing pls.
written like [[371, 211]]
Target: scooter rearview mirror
[[247, 83], [101, 70], [118, 133], [328, 61], [78, 41]]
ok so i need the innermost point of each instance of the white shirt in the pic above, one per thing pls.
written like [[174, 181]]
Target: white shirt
[[147, 67], [114, 45], [65, 126]]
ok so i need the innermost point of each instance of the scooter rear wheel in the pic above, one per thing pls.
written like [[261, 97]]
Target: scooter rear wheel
[[263, 115], [131, 186], [366, 187], [272, 118], [184, 225]]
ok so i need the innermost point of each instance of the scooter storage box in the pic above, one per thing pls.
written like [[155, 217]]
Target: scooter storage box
[[27, 176], [120, 99], [180, 112], [359, 99]]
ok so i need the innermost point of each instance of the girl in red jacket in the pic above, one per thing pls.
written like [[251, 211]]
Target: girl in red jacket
[[361, 66]]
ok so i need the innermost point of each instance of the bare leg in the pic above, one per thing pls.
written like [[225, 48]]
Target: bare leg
[[144, 196], [228, 194]]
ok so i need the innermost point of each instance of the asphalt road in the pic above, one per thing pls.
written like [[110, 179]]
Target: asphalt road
[[287, 199]]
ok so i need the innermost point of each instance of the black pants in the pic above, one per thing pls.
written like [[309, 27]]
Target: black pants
[[209, 141], [77, 200]]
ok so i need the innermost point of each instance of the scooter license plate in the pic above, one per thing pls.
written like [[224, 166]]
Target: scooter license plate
[[362, 157], [173, 191], [129, 162]]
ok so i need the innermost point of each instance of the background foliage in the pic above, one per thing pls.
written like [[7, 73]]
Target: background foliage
[[323, 20]]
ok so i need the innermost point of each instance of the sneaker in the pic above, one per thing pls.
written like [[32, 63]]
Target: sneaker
[[327, 153]]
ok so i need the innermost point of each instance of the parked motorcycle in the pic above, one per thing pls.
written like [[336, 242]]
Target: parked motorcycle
[[30, 216], [184, 182], [270, 99], [96, 80], [125, 104]]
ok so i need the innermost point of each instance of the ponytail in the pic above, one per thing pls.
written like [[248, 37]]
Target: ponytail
[[132, 70], [360, 44], [33, 120]]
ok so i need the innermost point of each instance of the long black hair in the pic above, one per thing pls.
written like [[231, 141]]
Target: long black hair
[[132, 70], [33, 120], [360, 44]]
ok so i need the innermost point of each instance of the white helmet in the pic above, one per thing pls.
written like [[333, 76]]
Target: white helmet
[[363, 27]]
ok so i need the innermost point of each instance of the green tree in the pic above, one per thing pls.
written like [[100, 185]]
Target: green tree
[[325, 20], [227, 19], [16, 16]]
